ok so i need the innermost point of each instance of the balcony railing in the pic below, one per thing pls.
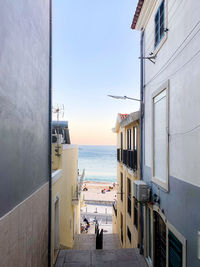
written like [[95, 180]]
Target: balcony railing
[[125, 157], [77, 193], [130, 159], [119, 154]]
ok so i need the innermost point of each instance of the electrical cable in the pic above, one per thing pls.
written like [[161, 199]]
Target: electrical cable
[[166, 64], [178, 69], [186, 132]]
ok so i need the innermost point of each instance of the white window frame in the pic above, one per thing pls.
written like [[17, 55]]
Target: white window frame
[[163, 40], [156, 180]]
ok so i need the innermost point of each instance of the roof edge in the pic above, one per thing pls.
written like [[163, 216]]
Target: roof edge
[[137, 13]]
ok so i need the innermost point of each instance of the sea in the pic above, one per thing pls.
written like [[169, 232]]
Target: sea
[[99, 162]]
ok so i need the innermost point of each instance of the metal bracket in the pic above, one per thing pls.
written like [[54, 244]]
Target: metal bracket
[[151, 58]]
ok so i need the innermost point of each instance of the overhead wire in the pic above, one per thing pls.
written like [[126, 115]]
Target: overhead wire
[[166, 64]]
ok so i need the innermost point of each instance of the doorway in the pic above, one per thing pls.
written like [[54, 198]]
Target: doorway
[[159, 241]]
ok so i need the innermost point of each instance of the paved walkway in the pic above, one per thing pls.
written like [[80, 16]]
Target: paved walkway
[[84, 254], [100, 258]]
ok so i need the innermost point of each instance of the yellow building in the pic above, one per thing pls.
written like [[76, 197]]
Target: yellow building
[[66, 191], [126, 209]]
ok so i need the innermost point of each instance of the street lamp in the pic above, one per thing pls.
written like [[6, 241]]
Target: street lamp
[[124, 97]]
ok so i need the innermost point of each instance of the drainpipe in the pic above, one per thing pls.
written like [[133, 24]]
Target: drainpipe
[[50, 130], [141, 133]]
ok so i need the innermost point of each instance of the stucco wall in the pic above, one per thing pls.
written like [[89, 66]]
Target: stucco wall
[[64, 188], [24, 84], [184, 91], [24, 232], [180, 204]]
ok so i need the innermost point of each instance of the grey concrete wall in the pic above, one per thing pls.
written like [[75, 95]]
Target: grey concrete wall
[[24, 82], [24, 232], [181, 208]]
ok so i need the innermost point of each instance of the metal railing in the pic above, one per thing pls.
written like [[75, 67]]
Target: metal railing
[[119, 154], [130, 159], [125, 157], [77, 193]]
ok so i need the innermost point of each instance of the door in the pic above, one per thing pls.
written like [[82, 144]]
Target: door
[[159, 241], [175, 251]]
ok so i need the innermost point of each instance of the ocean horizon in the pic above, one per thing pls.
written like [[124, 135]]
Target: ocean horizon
[[99, 162]]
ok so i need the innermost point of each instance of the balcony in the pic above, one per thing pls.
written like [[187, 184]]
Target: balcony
[[130, 159], [77, 193], [119, 154], [125, 157]]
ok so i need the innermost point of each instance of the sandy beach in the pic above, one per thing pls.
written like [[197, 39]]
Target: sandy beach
[[94, 191]]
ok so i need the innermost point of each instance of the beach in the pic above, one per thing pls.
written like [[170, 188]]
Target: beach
[[94, 191]]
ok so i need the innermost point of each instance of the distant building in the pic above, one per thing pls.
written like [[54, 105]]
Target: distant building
[[24, 132], [170, 75], [126, 209], [66, 189]]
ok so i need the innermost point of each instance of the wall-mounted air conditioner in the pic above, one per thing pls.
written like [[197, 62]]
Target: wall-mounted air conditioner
[[141, 191], [57, 138]]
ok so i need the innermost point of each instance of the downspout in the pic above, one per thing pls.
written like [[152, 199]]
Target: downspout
[[141, 133], [50, 130]]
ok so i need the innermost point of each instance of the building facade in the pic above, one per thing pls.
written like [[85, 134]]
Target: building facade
[[66, 189], [126, 209], [24, 131], [170, 75]]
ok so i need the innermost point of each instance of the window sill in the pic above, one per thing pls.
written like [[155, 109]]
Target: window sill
[[164, 185], [159, 46]]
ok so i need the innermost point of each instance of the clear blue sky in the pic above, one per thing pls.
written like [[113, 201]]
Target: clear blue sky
[[95, 53]]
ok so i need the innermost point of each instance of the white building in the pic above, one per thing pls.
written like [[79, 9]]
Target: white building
[[171, 128]]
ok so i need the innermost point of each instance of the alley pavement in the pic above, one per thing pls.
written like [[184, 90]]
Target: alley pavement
[[84, 254]]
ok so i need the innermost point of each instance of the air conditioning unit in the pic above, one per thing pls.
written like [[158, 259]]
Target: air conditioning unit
[[141, 191], [57, 138]]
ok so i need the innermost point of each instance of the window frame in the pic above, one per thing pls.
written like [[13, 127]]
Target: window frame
[[156, 180], [129, 143], [155, 32]]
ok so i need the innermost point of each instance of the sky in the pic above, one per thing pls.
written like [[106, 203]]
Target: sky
[[95, 53]]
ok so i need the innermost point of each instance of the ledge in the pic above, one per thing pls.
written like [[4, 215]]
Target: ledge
[[56, 175]]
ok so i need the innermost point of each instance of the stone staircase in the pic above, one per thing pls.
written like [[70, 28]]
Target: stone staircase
[[84, 254]]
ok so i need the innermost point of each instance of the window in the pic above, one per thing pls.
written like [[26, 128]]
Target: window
[[121, 136], [129, 196], [136, 214], [121, 186], [159, 24], [129, 139], [121, 228], [160, 138], [135, 145], [135, 138], [129, 234]]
